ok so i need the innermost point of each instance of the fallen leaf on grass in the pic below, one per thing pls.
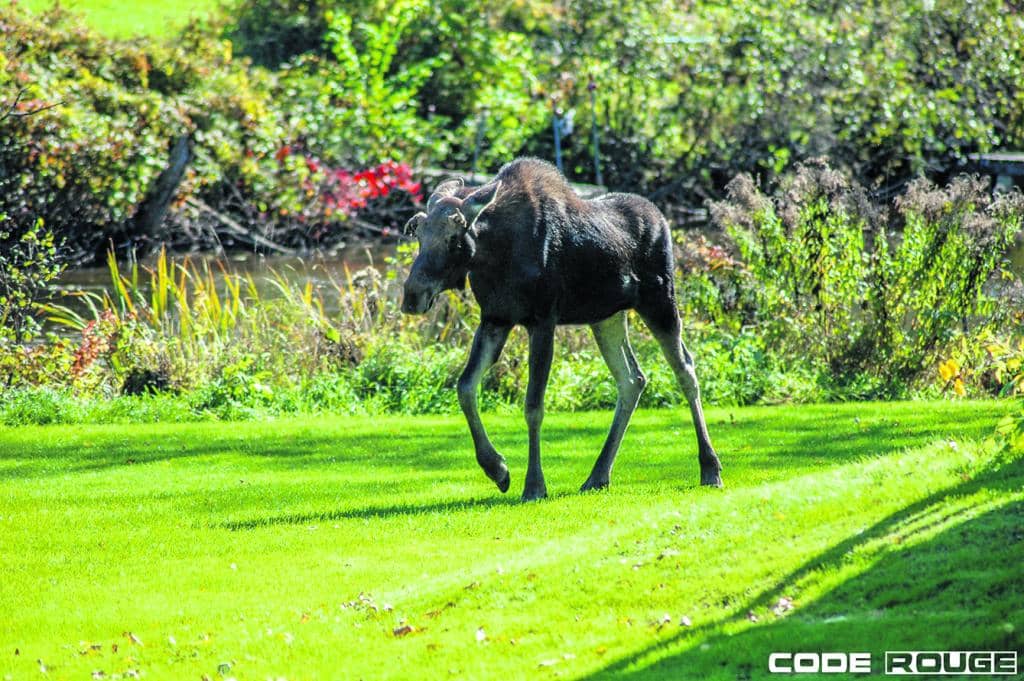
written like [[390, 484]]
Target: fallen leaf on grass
[[471, 586], [664, 620], [132, 638], [90, 648], [98, 674], [481, 635], [784, 605], [685, 621], [553, 661], [362, 602], [403, 629], [433, 614], [751, 616]]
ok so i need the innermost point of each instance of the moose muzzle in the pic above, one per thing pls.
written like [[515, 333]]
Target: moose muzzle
[[417, 299]]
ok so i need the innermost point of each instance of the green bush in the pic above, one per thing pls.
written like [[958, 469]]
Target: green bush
[[29, 263], [686, 97], [836, 279]]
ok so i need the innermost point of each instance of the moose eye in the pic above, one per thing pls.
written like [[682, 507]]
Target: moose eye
[[454, 243]]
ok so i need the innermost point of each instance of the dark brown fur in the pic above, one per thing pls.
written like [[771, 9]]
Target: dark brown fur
[[538, 255]]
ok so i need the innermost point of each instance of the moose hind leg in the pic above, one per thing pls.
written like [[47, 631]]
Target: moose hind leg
[[487, 345], [664, 324], [612, 336]]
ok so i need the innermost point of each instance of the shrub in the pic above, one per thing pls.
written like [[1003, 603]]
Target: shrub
[[267, 166], [834, 278], [29, 263]]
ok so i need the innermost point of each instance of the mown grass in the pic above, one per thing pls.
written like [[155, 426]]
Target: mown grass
[[133, 19], [297, 548]]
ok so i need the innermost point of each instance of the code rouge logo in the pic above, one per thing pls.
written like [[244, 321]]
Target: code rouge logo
[[899, 663]]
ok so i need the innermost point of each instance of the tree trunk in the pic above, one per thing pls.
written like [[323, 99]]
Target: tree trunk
[[151, 213]]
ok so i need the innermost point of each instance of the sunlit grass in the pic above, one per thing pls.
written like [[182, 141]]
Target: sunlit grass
[[133, 19], [298, 548]]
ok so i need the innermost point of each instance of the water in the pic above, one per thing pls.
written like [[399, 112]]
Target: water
[[323, 271]]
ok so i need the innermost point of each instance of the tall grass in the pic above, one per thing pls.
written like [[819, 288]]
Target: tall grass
[[199, 325], [787, 321]]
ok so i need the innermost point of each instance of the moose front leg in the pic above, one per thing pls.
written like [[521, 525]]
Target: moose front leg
[[542, 340], [487, 345]]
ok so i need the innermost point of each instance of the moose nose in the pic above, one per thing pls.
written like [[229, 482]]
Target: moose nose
[[409, 304], [415, 301]]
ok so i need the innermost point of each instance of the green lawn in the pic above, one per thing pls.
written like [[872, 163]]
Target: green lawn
[[297, 548], [117, 18]]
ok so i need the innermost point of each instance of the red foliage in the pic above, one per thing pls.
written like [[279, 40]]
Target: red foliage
[[382, 195], [98, 338], [349, 192]]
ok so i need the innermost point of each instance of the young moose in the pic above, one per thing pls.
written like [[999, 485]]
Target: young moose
[[538, 255]]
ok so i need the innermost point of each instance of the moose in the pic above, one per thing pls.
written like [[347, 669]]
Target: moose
[[537, 255]]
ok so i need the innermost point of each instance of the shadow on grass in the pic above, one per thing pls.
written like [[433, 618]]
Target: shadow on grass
[[958, 590], [368, 512], [765, 438]]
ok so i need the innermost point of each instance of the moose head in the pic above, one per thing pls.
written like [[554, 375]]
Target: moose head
[[447, 238]]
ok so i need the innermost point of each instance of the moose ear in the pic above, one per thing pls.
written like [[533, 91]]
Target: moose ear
[[479, 201], [413, 224], [444, 189]]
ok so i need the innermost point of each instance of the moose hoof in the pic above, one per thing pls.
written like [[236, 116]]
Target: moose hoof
[[592, 485], [535, 492], [503, 480], [711, 478]]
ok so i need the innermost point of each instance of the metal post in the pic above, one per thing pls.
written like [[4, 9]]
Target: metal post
[[556, 124], [595, 135], [481, 122]]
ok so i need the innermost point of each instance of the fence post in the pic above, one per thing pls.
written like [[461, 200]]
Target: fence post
[[481, 123], [556, 125], [595, 135]]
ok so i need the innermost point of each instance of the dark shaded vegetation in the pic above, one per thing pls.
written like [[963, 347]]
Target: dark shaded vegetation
[[686, 98]]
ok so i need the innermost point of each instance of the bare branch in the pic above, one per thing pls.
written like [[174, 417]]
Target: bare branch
[[11, 110]]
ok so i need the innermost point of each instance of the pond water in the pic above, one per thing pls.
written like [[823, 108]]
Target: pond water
[[316, 267], [322, 270]]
